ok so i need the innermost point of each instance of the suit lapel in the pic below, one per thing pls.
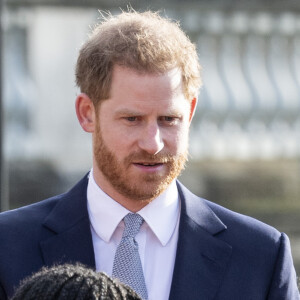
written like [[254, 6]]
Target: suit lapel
[[201, 258], [68, 229]]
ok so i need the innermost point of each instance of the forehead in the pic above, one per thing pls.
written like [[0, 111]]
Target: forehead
[[142, 85]]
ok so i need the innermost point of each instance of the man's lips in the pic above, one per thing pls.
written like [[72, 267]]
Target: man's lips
[[149, 166]]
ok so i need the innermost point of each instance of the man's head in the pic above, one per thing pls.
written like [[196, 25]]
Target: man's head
[[144, 42], [139, 76]]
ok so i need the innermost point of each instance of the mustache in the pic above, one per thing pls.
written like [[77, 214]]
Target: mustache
[[143, 156]]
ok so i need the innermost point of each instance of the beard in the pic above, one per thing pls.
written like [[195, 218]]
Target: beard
[[129, 182]]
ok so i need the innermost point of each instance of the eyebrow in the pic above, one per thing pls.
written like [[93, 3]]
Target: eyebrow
[[134, 113], [128, 112]]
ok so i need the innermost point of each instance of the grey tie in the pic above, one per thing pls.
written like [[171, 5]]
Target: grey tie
[[127, 265]]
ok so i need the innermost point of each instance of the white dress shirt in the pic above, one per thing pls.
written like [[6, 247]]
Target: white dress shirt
[[157, 237]]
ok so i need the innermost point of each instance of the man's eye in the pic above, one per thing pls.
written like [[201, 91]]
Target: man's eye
[[169, 119], [131, 119]]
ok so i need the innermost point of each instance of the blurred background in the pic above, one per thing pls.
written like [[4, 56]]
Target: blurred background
[[245, 138]]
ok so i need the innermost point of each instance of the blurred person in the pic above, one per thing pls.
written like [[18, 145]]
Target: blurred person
[[68, 282], [139, 78]]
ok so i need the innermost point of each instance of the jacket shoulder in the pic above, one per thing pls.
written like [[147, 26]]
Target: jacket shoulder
[[28, 213], [37, 212], [247, 225]]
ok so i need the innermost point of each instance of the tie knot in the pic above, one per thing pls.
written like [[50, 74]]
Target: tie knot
[[133, 223]]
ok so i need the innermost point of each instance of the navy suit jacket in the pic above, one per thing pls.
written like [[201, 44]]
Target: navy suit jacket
[[220, 254]]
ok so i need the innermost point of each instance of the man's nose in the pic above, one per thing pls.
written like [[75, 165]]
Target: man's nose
[[151, 140]]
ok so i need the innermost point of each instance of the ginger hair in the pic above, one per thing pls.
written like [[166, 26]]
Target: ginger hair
[[145, 42]]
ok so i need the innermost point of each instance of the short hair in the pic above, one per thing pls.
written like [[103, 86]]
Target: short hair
[[145, 42], [66, 282]]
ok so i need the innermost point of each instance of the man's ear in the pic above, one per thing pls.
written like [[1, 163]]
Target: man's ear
[[85, 111], [193, 108]]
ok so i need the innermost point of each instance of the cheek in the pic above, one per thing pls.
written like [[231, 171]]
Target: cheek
[[120, 144], [116, 144], [183, 141], [178, 141]]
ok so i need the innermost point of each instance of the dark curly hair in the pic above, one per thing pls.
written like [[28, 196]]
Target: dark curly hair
[[76, 282]]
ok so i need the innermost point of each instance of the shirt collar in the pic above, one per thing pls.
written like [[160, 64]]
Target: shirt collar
[[161, 215]]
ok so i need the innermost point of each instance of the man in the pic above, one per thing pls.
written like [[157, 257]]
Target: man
[[139, 78]]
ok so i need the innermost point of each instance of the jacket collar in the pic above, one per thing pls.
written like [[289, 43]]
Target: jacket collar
[[69, 235], [201, 258]]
